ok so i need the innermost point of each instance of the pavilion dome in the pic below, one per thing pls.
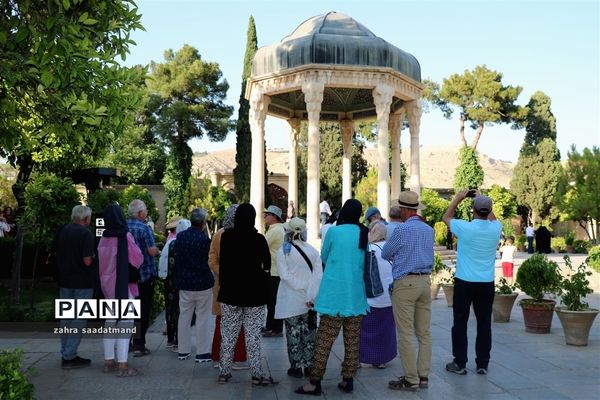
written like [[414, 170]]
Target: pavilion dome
[[333, 39]]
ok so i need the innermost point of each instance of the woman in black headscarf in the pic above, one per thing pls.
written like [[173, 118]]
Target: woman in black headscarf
[[244, 265], [116, 250], [342, 300]]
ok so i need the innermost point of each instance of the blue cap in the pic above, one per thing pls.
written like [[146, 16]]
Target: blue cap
[[371, 211]]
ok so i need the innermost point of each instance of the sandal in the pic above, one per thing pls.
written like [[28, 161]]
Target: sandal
[[346, 385], [125, 371], [263, 381], [224, 378], [315, 392], [109, 366]]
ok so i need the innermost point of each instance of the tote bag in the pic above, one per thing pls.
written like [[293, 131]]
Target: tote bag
[[373, 285]]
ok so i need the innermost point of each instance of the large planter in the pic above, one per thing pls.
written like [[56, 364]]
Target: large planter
[[576, 325], [448, 293], [435, 289], [538, 315], [502, 306]]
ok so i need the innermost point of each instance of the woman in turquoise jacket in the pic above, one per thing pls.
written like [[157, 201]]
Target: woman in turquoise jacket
[[341, 300]]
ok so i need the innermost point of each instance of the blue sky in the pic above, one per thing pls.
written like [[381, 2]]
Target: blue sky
[[551, 46]]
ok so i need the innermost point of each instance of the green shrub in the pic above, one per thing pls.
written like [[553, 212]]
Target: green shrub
[[593, 258], [14, 384], [137, 192], [574, 288], [569, 238], [538, 275], [558, 242], [520, 240], [158, 299], [581, 246], [503, 287], [98, 200], [438, 264], [441, 233]]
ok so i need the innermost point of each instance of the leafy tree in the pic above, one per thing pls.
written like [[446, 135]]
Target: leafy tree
[[435, 205], [243, 146], [468, 175], [505, 203], [580, 199], [481, 99], [63, 96], [366, 189], [540, 123], [186, 101], [99, 199], [536, 177], [214, 199]]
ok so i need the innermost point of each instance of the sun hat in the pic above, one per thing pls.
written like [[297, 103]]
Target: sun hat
[[295, 225], [482, 204], [410, 199], [371, 211], [276, 211]]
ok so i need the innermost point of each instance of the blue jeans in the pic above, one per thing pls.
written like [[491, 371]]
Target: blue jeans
[[70, 342]]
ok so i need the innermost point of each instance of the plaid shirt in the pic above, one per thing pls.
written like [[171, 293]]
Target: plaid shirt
[[143, 238], [410, 248]]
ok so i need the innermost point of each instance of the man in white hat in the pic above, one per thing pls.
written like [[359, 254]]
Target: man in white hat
[[410, 250], [274, 235], [474, 279]]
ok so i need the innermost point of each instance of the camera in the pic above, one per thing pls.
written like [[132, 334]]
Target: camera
[[471, 193]]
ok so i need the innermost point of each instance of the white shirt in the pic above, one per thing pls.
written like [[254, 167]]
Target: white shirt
[[529, 231], [508, 253], [298, 284], [385, 273], [324, 207], [4, 227]]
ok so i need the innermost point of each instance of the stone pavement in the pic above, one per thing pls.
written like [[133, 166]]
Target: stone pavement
[[523, 366]]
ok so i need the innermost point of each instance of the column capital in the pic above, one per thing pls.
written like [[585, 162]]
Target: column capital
[[414, 111], [294, 130]]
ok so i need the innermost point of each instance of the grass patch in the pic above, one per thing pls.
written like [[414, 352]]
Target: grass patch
[[41, 309]]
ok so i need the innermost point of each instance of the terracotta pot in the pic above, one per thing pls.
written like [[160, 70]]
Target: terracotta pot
[[538, 315], [502, 306], [448, 293], [435, 289], [576, 325], [570, 248]]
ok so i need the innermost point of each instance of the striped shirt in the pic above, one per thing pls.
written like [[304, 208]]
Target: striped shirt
[[410, 248]]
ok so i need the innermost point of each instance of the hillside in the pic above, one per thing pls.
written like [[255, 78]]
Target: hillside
[[437, 165]]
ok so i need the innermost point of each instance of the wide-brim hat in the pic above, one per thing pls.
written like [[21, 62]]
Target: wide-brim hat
[[172, 224], [295, 225], [410, 199], [276, 211]]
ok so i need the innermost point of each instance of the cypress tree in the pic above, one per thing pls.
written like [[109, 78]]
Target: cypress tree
[[243, 147]]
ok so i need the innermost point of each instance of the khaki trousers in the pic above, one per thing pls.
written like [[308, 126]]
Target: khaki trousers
[[411, 303]]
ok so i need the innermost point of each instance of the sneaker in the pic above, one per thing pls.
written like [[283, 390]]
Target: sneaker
[[482, 371], [175, 349], [171, 345], [202, 358], [141, 353], [423, 381], [216, 364], [404, 385], [183, 356], [239, 365], [76, 362], [455, 368]]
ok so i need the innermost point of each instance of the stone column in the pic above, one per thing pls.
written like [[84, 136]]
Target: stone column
[[258, 112], [293, 172], [347, 129], [414, 110], [395, 130], [313, 96], [382, 96]]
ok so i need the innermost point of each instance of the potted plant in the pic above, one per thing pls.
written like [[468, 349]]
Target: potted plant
[[570, 242], [575, 315], [536, 277], [448, 284], [504, 300], [558, 244], [520, 242], [438, 267]]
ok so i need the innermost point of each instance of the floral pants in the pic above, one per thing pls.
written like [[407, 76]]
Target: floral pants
[[300, 341]]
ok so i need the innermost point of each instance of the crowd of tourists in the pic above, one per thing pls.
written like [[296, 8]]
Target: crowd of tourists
[[261, 286]]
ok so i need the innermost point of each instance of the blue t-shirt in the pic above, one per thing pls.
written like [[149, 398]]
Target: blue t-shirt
[[477, 243]]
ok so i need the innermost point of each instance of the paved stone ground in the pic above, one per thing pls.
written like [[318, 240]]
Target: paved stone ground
[[523, 366]]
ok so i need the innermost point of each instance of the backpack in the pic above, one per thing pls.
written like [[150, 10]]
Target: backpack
[[373, 285]]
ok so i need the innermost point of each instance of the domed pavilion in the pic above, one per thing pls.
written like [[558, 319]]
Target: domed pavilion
[[332, 68]]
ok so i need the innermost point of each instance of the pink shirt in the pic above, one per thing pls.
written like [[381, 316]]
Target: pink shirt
[[107, 260]]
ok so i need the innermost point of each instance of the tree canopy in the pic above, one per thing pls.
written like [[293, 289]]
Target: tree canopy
[[63, 96], [481, 99], [468, 175], [539, 123], [580, 199]]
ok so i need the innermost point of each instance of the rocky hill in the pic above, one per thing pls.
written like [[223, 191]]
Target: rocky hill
[[437, 165]]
